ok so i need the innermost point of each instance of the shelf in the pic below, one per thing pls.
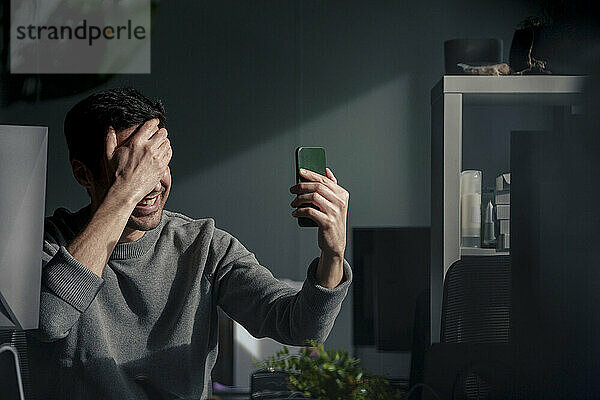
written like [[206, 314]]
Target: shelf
[[512, 90], [539, 102], [519, 84], [478, 251]]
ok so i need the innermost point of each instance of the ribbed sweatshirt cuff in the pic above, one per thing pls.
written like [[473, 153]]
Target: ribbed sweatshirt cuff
[[323, 299], [71, 281]]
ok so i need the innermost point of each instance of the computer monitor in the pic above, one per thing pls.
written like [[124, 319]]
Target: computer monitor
[[23, 151], [22, 204], [389, 261]]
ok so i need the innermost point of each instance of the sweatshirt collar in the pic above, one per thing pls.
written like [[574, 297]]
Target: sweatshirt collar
[[127, 250]]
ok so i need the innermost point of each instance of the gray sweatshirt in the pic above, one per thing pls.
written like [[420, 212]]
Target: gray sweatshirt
[[153, 314]]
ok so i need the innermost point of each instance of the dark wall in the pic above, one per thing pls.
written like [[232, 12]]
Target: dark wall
[[245, 82]]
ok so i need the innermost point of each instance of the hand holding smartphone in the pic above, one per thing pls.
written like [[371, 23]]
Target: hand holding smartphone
[[313, 159]]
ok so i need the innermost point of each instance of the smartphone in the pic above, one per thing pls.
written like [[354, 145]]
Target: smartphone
[[313, 159]]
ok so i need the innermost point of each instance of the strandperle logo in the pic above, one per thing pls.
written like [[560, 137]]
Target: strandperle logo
[[82, 32], [80, 36]]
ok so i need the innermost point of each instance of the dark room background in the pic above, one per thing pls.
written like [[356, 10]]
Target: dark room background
[[246, 82]]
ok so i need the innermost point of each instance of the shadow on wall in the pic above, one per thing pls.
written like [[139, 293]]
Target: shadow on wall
[[233, 74], [236, 73], [244, 73], [241, 72]]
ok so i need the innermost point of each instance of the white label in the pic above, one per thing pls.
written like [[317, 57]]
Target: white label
[[475, 215], [471, 214]]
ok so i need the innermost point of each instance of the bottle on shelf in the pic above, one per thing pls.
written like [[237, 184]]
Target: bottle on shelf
[[489, 235], [470, 208]]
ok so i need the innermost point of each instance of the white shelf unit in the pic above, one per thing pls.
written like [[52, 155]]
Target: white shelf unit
[[477, 251], [449, 98]]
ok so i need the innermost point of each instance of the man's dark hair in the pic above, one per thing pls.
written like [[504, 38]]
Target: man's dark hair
[[86, 124]]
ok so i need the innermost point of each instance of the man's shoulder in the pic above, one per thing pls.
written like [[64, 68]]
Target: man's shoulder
[[178, 220], [173, 220], [64, 224], [190, 229], [62, 214]]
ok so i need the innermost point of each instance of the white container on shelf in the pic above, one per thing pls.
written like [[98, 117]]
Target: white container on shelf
[[470, 208]]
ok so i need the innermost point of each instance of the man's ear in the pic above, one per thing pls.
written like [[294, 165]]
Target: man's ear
[[83, 175]]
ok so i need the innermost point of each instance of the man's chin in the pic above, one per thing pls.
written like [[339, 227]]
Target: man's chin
[[144, 222]]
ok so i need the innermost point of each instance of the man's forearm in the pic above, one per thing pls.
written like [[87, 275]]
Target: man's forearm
[[330, 270], [94, 245]]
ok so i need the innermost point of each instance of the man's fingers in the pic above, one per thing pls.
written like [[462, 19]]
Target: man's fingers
[[315, 177], [330, 181], [146, 131], [111, 142], [318, 216], [158, 138], [313, 198], [165, 155], [168, 154], [308, 187], [164, 145], [331, 176]]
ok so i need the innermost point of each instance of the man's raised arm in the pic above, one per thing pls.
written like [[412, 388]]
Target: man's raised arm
[[72, 272], [250, 294], [135, 168]]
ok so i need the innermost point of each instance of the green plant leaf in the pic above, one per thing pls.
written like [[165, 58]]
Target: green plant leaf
[[329, 375]]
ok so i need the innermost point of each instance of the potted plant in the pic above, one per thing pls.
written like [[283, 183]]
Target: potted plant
[[329, 375]]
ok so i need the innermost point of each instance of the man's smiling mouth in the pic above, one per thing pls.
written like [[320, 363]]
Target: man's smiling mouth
[[149, 203]]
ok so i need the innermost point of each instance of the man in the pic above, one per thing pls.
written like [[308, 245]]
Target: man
[[130, 290]]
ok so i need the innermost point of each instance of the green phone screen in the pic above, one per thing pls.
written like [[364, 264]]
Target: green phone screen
[[313, 159]]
